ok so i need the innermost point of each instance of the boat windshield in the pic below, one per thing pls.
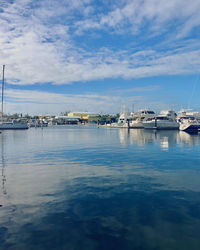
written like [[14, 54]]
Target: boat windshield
[[163, 118], [188, 117]]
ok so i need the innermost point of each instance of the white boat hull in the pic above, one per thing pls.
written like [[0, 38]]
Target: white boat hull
[[13, 126], [117, 125], [190, 127], [136, 124], [160, 125]]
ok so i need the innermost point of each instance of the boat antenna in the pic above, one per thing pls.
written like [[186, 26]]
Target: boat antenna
[[2, 92]]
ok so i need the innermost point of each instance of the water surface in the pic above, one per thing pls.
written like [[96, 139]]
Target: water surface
[[83, 187]]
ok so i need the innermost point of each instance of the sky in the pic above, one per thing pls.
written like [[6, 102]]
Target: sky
[[100, 55]]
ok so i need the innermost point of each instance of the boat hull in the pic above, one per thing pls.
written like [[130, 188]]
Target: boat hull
[[190, 128], [161, 126], [5, 126], [136, 124], [116, 125]]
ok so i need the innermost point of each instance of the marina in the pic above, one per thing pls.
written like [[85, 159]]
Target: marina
[[99, 125], [143, 119], [166, 120]]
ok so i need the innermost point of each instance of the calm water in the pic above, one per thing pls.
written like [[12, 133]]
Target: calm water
[[88, 188]]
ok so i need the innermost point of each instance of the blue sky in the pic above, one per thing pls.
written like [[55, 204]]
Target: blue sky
[[92, 55]]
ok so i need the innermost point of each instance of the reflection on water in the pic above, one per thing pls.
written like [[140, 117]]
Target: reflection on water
[[91, 188], [164, 138], [3, 174]]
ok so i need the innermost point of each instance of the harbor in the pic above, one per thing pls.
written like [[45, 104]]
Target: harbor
[[85, 180], [143, 119], [99, 125], [166, 120]]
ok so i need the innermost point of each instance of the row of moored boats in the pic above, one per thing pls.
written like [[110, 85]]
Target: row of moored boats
[[22, 124], [167, 119]]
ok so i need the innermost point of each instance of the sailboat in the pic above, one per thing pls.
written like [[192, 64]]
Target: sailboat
[[14, 124]]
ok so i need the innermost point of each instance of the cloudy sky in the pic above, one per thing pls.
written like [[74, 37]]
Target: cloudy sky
[[98, 55]]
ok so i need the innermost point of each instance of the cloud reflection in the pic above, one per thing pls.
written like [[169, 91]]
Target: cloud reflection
[[89, 188]]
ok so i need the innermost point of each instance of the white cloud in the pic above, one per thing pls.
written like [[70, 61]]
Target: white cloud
[[38, 44], [155, 13], [37, 102], [41, 63]]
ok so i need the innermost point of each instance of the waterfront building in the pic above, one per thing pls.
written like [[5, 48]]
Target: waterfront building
[[85, 116]]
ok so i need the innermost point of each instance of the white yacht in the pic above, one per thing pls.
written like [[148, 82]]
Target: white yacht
[[189, 121], [14, 124], [138, 118], [189, 124], [132, 120], [166, 120], [123, 121]]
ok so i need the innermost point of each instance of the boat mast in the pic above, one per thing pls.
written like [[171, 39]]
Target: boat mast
[[2, 93]]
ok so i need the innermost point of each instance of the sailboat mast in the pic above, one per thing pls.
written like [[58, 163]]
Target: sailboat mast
[[2, 93]]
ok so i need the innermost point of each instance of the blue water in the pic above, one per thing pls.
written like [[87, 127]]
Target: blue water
[[88, 188]]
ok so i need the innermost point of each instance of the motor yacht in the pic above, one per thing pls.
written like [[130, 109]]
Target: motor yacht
[[166, 120], [138, 118], [189, 121], [13, 125], [123, 121], [189, 124]]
